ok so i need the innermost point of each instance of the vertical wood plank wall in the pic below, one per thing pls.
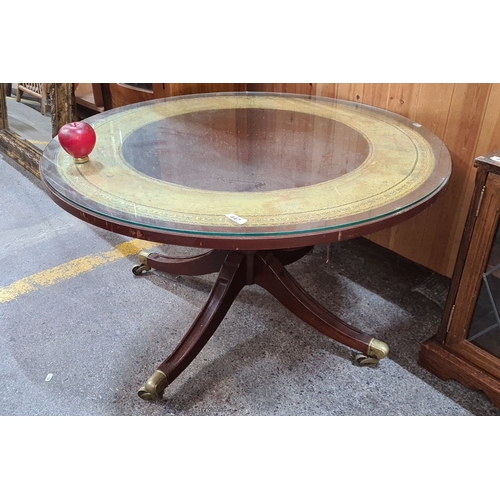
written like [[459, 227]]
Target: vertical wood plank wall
[[175, 89], [465, 116]]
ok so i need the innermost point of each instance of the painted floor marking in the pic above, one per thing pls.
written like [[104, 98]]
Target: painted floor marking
[[71, 269]]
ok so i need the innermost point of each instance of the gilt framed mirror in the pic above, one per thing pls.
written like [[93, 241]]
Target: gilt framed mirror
[[26, 125]]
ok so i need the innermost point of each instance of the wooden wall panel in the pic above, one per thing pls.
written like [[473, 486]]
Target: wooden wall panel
[[413, 234], [490, 126], [121, 95], [462, 132], [290, 88], [375, 94], [466, 117], [349, 91], [175, 89], [404, 99], [432, 238], [326, 89]]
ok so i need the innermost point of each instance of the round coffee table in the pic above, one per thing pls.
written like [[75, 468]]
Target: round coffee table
[[255, 179]]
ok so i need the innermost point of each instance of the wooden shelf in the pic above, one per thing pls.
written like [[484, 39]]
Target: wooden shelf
[[90, 96]]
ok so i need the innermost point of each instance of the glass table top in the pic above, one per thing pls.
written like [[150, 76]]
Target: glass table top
[[250, 165]]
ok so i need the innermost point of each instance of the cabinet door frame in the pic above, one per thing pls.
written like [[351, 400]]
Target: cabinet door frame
[[487, 219]]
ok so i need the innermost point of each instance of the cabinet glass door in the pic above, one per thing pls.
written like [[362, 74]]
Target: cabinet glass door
[[484, 331]]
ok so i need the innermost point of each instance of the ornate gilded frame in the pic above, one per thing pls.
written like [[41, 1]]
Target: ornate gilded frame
[[63, 110]]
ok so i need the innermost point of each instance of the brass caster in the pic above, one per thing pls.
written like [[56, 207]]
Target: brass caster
[[143, 266], [143, 394], [154, 387], [376, 351], [364, 360], [138, 270]]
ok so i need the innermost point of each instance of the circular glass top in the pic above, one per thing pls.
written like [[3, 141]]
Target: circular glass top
[[249, 165]]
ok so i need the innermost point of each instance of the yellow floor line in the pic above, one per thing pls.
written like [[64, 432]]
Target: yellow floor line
[[71, 269]]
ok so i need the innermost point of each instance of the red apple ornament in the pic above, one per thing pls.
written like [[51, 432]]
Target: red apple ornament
[[78, 140]]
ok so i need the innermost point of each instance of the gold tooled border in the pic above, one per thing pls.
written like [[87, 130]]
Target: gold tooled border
[[372, 187]]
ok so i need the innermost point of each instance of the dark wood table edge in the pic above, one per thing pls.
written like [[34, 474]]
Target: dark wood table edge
[[195, 239]]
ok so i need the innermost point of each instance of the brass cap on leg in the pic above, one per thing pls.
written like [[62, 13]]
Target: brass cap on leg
[[143, 256], [377, 349], [154, 386]]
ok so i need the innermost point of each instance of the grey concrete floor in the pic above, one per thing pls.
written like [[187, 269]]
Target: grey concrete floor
[[83, 345]]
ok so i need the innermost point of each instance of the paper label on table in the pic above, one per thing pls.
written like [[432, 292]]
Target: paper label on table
[[236, 218]]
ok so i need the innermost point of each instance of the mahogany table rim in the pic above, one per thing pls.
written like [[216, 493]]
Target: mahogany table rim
[[249, 242]]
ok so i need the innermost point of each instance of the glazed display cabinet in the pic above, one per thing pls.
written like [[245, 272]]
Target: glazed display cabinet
[[467, 346]]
